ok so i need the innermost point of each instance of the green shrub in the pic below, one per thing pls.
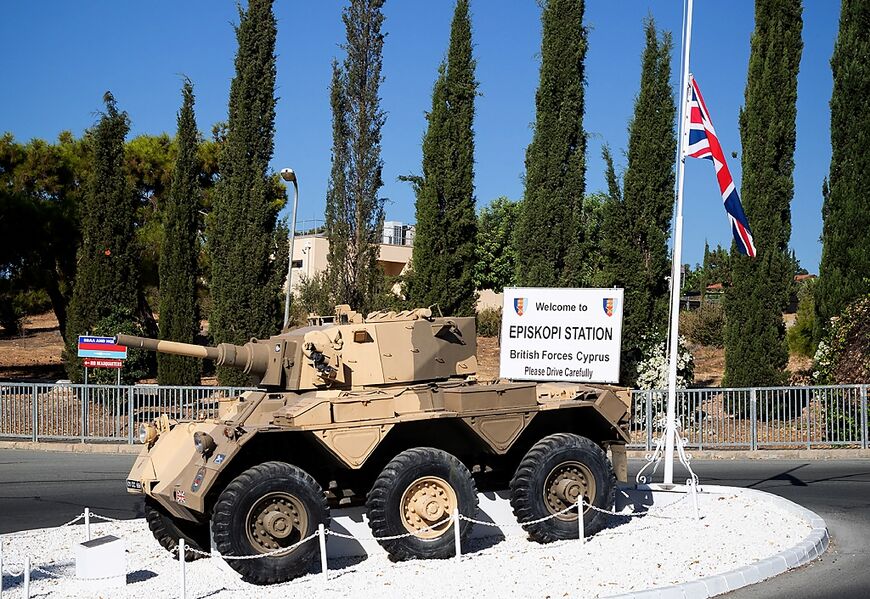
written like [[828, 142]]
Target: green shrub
[[705, 325], [313, 295], [489, 322], [33, 301], [800, 336]]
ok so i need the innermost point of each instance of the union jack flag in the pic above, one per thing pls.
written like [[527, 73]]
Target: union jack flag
[[703, 143]]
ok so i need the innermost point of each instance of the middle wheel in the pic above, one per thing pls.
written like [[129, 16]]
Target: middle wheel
[[417, 493]]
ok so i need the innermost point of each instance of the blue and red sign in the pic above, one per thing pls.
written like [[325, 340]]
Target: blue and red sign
[[100, 347]]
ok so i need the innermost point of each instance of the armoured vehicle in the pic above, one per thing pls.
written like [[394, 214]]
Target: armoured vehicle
[[383, 410]]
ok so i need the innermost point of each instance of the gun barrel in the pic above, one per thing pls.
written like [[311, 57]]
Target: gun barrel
[[167, 347]]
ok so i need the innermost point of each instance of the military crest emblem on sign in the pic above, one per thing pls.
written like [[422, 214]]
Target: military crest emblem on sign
[[520, 305], [609, 305]]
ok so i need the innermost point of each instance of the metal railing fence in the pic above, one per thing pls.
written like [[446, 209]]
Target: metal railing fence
[[63, 411], [757, 417], [714, 418]]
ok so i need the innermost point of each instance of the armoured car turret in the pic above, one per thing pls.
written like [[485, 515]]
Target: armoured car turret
[[383, 410]]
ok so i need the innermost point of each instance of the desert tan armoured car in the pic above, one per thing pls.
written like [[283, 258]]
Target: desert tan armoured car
[[383, 410]]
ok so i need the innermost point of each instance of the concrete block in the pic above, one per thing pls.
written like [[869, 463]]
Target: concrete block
[[792, 559], [750, 574], [675, 592], [102, 561], [716, 585], [734, 579], [695, 590], [771, 567]]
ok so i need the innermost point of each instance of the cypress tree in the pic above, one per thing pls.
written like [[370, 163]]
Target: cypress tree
[[242, 222], [845, 264], [755, 350], [354, 213], [444, 242], [638, 226], [549, 223], [179, 320], [107, 277]]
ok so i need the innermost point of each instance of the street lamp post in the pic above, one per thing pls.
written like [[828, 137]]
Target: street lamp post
[[288, 175]]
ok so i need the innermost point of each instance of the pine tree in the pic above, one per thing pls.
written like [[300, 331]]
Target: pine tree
[[242, 222], [107, 277], [444, 241], [354, 212], [179, 320], [845, 264], [755, 350], [549, 225], [638, 226]]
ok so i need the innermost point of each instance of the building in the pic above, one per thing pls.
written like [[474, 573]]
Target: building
[[310, 252]]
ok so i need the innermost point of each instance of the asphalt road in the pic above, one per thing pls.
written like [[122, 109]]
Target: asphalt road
[[46, 489]]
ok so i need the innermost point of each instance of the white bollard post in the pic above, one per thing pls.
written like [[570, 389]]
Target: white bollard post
[[581, 525], [321, 532], [181, 565], [27, 578], [457, 539], [693, 489], [87, 524]]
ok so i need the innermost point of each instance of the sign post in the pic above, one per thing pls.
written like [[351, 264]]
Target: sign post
[[101, 352], [561, 334]]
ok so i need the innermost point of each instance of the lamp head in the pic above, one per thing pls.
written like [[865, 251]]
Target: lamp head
[[287, 174]]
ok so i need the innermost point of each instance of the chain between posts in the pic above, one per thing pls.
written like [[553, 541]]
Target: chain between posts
[[322, 532]]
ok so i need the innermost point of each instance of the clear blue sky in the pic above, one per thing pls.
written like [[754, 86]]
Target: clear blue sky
[[61, 56]]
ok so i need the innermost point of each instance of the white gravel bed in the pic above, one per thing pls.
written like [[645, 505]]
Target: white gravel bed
[[632, 554]]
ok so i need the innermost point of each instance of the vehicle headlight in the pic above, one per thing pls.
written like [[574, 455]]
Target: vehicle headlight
[[147, 434], [203, 442]]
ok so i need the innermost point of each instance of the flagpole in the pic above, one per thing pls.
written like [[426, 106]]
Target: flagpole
[[676, 266]]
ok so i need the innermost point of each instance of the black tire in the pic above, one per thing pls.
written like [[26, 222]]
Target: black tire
[[404, 473], [561, 455], [253, 492], [167, 530]]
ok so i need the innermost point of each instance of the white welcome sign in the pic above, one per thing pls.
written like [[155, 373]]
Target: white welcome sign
[[561, 334]]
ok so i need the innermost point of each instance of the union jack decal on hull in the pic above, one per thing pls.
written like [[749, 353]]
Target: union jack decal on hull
[[703, 143]]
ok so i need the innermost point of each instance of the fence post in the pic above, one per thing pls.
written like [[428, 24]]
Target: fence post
[[35, 414], [321, 533], [649, 424], [581, 525], [181, 551], [130, 419], [457, 539], [753, 420], [863, 416], [27, 577], [87, 524], [809, 422]]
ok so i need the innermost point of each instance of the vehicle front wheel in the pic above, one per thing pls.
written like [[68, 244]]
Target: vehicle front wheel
[[417, 493], [266, 508], [167, 530], [554, 474]]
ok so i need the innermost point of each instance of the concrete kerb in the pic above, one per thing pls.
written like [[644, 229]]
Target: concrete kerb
[[72, 447], [812, 547], [722, 454]]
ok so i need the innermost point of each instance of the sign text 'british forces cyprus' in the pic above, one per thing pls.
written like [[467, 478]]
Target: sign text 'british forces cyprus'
[[561, 334]]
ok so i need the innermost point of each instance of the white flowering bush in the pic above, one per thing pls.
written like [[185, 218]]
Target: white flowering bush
[[652, 371]]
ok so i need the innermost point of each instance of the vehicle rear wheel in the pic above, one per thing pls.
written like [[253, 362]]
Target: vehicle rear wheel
[[554, 474], [167, 530], [417, 493], [266, 508]]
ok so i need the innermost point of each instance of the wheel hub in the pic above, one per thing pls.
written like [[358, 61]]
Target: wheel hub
[[426, 502], [277, 520], [566, 484]]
